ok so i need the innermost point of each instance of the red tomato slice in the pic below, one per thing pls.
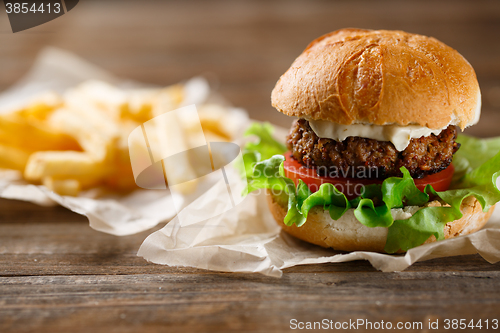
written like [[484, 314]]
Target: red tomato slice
[[353, 187]]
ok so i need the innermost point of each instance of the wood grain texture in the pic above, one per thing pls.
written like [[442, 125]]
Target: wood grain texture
[[58, 275]]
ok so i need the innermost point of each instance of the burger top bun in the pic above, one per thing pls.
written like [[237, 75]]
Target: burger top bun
[[380, 77]]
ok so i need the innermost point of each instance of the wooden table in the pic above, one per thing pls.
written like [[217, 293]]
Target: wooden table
[[58, 275]]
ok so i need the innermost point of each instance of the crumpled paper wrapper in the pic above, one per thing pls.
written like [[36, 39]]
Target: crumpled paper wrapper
[[244, 238], [247, 239], [117, 215]]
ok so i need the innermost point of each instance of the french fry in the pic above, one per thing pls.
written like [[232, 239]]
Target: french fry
[[99, 145], [17, 132], [106, 97], [79, 140], [13, 158], [67, 164], [212, 119], [168, 99], [140, 104], [217, 119], [167, 132], [86, 110], [122, 179], [214, 137], [122, 176], [69, 187], [41, 106]]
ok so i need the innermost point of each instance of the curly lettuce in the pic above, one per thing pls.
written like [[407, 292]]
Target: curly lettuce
[[477, 165]]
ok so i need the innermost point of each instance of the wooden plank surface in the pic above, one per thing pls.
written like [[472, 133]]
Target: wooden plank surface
[[58, 275]]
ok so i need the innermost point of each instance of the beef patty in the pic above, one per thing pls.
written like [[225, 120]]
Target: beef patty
[[379, 159]]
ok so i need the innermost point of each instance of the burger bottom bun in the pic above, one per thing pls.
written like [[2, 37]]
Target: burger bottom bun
[[348, 234]]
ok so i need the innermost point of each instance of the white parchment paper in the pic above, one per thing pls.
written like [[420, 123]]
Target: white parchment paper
[[247, 239]]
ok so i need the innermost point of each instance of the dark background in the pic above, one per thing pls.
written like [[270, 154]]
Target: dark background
[[247, 45]]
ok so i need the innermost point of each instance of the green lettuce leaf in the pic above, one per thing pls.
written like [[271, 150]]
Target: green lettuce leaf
[[479, 180], [410, 233], [266, 174], [266, 146], [330, 198], [295, 200], [477, 167], [399, 192], [372, 216], [474, 152]]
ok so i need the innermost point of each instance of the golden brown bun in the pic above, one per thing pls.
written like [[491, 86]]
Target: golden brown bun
[[380, 77], [348, 234]]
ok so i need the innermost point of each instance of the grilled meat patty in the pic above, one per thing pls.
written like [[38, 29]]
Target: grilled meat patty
[[379, 159]]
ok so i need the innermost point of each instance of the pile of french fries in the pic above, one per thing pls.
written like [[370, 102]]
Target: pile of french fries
[[78, 140]]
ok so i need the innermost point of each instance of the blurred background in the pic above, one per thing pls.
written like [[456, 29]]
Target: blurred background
[[247, 45]]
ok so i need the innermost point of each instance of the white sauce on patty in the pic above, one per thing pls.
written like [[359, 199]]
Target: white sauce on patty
[[400, 136]]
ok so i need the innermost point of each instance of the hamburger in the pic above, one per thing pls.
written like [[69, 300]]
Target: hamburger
[[367, 163]]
